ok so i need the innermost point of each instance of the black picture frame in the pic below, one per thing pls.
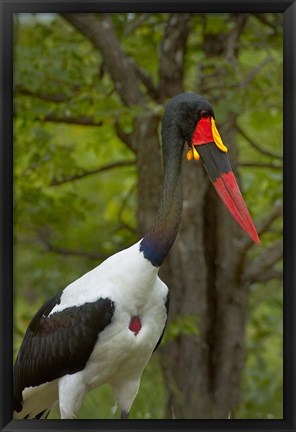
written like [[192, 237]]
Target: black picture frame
[[10, 7]]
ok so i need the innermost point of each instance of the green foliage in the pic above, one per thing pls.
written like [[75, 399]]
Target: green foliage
[[263, 378], [64, 228], [182, 325]]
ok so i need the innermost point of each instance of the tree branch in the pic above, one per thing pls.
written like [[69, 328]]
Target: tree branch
[[136, 23], [107, 167], [100, 31], [74, 252], [127, 138], [260, 165], [122, 208], [252, 74], [44, 237], [49, 97], [263, 227], [172, 55], [225, 45], [263, 19], [233, 37], [146, 79], [82, 120], [256, 146], [240, 84], [268, 275], [261, 268]]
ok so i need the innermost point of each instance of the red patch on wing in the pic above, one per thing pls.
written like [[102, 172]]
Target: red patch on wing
[[229, 192], [135, 325], [203, 133]]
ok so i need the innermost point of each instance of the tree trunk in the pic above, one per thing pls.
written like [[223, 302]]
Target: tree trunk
[[149, 171]]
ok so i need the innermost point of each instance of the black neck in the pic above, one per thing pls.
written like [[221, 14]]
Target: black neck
[[157, 243]]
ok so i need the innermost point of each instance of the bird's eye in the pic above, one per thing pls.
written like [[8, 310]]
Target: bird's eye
[[204, 114]]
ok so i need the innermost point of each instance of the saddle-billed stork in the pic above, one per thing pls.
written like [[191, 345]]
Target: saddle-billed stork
[[104, 327]]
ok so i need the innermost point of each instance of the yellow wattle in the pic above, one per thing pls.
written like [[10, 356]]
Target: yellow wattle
[[217, 137], [192, 153], [189, 154]]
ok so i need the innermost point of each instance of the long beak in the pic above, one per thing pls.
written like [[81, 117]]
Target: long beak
[[216, 163]]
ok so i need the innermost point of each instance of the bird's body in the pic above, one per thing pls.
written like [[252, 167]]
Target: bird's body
[[119, 356], [104, 327]]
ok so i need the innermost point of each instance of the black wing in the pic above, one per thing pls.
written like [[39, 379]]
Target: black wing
[[58, 344], [167, 304]]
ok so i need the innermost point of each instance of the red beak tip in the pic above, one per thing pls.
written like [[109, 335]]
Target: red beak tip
[[257, 241], [253, 234]]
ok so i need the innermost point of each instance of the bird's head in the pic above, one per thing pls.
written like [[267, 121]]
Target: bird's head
[[193, 121]]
